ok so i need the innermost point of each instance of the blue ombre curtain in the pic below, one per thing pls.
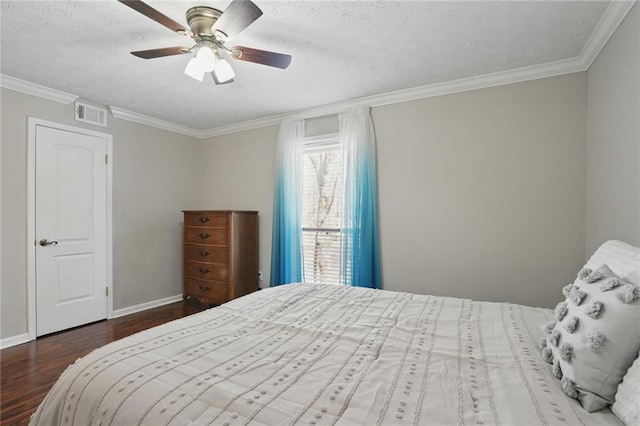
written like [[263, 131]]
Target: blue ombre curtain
[[286, 247], [360, 242]]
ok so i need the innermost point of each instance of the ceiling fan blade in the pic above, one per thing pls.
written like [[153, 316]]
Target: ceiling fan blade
[[236, 17], [272, 59], [150, 12], [158, 53]]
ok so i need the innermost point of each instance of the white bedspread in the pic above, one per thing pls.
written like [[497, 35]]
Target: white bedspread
[[315, 354]]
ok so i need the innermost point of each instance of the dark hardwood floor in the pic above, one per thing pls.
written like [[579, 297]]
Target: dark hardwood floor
[[29, 370]]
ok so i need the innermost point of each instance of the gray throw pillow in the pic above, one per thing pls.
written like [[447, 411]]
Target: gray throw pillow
[[596, 337]]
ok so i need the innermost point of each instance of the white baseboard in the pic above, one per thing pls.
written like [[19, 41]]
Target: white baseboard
[[147, 305], [7, 342]]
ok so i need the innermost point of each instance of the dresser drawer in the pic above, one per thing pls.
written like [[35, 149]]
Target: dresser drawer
[[214, 236], [216, 220], [212, 254], [206, 271], [207, 291]]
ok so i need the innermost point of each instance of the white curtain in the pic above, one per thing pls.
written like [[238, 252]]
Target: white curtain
[[360, 243], [286, 250]]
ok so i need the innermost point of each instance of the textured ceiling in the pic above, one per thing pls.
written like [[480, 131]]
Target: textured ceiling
[[341, 50]]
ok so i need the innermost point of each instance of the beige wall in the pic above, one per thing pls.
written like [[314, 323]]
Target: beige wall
[[240, 175], [156, 175], [481, 193], [613, 148]]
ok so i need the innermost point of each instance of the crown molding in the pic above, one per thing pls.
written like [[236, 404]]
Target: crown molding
[[272, 120], [428, 91], [608, 24], [499, 78], [9, 82], [134, 117]]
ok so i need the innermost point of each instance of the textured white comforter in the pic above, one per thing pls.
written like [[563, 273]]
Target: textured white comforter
[[317, 354]]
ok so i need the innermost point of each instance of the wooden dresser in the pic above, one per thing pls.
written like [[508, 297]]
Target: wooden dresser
[[220, 254]]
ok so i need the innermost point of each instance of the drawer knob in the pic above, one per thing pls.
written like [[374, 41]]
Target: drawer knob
[[204, 288], [204, 253], [204, 235], [204, 270], [204, 219]]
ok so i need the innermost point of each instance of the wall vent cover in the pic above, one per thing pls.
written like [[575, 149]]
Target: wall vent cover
[[91, 114]]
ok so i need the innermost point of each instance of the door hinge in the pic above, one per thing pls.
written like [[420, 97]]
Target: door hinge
[[106, 291], [106, 159]]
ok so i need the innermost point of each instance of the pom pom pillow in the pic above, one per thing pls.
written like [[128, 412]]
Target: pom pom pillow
[[595, 337]]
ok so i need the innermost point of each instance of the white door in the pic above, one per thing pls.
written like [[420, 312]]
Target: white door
[[70, 229]]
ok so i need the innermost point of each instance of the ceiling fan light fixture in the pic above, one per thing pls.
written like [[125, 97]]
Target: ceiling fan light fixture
[[207, 58], [195, 70], [203, 62], [210, 29], [223, 71]]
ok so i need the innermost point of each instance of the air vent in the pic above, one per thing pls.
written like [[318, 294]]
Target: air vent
[[91, 114]]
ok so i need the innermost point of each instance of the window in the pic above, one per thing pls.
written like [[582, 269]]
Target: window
[[325, 209], [322, 208]]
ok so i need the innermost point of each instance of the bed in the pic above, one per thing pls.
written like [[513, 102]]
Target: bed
[[322, 354]]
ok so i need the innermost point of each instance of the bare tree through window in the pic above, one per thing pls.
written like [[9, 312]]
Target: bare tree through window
[[322, 205]]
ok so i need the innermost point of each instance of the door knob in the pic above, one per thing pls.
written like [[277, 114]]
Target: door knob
[[45, 243]]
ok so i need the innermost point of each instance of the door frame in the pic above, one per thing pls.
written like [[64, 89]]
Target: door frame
[[32, 124]]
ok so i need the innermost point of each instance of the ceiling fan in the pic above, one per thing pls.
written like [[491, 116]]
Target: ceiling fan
[[210, 29]]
